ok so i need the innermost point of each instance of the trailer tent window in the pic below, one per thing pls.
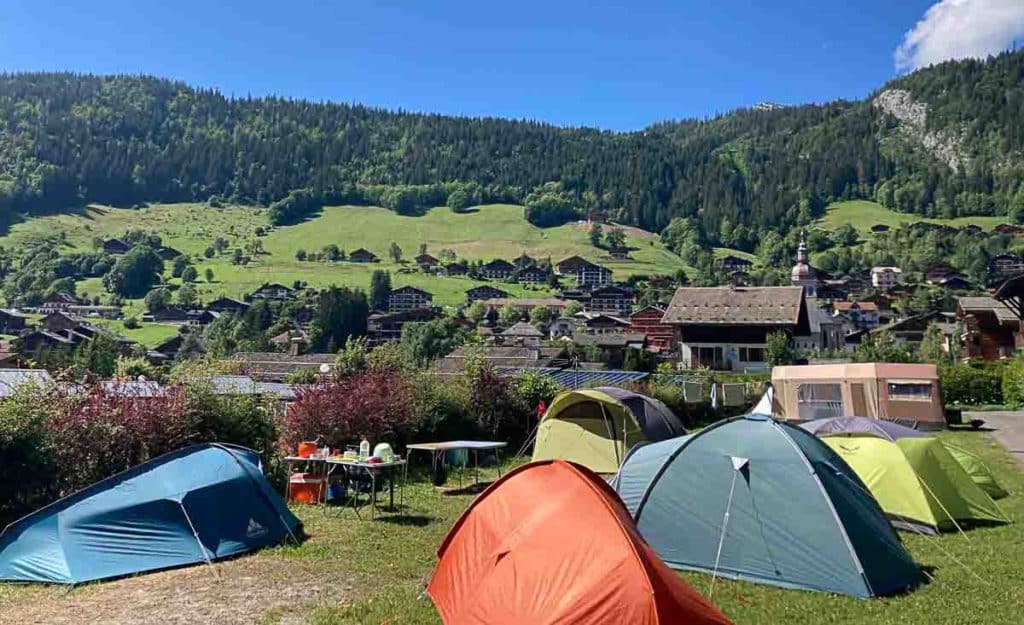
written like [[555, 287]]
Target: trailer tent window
[[819, 401], [910, 390]]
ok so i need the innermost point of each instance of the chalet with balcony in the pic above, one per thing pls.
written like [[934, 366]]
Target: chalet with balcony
[[426, 261], [12, 321], [587, 274], [532, 275], [497, 270], [991, 330], [1005, 265], [485, 292], [610, 299], [227, 305], [387, 327], [726, 328], [273, 292], [456, 269], [58, 300], [408, 298], [732, 263]]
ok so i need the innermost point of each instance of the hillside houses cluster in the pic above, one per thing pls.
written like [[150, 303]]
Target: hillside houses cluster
[[590, 317]]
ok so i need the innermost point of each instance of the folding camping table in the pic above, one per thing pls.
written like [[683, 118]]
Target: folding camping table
[[437, 451], [372, 470]]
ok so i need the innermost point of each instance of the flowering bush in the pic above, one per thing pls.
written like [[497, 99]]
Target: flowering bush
[[376, 404], [100, 433]]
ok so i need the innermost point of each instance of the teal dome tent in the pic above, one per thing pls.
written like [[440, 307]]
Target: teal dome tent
[[194, 505], [754, 499]]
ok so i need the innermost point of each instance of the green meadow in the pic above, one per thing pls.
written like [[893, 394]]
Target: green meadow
[[862, 214]]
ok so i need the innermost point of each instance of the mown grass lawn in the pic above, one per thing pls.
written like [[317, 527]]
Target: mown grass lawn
[[862, 214], [395, 561], [483, 233]]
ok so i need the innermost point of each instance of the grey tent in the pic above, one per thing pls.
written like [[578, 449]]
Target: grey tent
[[754, 499]]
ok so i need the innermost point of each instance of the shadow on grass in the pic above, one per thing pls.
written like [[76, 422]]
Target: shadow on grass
[[472, 489], [408, 520]]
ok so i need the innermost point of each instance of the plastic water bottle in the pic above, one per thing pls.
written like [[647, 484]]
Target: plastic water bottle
[[364, 450]]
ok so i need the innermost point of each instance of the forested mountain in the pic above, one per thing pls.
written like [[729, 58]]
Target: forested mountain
[[943, 141]]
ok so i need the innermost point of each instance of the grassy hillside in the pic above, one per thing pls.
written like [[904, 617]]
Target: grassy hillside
[[494, 231], [862, 214]]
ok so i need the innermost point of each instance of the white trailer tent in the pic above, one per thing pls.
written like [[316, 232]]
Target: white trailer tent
[[906, 393]]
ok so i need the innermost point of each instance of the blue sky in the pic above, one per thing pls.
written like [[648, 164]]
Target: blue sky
[[616, 65]]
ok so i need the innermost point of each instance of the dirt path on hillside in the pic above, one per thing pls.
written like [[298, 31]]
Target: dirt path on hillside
[[247, 590], [1008, 429]]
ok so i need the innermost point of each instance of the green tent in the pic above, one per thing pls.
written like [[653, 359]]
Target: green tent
[[596, 427], [978, 471], [918, 482], [754, 499]]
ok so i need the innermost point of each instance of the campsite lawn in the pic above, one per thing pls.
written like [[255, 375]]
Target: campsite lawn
[[401, 557], [483, 233], [369, 573]]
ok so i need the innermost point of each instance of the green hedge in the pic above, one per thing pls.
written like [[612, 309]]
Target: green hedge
[[973, 384]]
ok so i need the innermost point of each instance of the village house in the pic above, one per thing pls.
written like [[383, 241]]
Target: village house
[[12, 321], [227, 305], [532, 275], [426, 260], [910, 331], [614, 300], [647, 321], [363, 255], [386, 327], [1005, 265], [277, 367], [991, 330], [485, 292], [523, 261], [409, 298], [497, 270], [167, 314], [167, 350], [273, 291], [13, 379], [116, 246], [563, 327], [1008, 229], [739, 278], [955, 282], [586, 273], [827, 329], [90, 310], [521, 334], [938, 272], [613, 346], [526, 304], [58, 300], [199, 317], [601, 323], [726, 328], [732, 263], [456, 269], [863, 314], [502, 357], [168, 253], [886, 278]]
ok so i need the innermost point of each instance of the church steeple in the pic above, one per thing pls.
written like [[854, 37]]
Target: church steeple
[[803, 274]]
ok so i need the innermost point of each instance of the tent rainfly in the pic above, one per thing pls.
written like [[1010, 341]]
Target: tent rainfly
[[759, 500], [907, 393], [551, 543], [975, 467], [596, 427], [193, 505], [917, 482]]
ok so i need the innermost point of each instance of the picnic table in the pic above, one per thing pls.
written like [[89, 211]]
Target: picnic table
[[437, 451], [326, 467]]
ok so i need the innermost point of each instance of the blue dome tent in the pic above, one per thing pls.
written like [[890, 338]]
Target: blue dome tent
[[193, 505], [754, 499]]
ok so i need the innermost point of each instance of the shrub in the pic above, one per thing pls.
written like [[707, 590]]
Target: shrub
[[28, 472], [1013, 382], [131, 322], [498, 410], [376, 404], [972, 384]]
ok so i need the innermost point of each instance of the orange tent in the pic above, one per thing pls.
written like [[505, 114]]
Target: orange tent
[[551, 543]]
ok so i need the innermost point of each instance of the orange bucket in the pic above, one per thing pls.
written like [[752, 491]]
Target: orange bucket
[[307, 488], [306, 449]]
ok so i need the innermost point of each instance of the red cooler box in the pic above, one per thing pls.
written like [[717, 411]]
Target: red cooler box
[[307, 488]]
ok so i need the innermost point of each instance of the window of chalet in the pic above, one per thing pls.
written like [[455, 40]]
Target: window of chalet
[[752, 354], [819, 401]]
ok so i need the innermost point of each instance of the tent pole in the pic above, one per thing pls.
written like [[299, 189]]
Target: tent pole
[[938, 544], [721, 538], [202, 547], [610, 425]]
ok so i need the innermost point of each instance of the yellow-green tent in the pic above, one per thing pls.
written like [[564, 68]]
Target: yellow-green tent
[[917, 482], [978, 470], [596, 427]]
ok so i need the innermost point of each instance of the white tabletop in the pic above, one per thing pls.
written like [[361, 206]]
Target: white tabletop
[[447, 445]]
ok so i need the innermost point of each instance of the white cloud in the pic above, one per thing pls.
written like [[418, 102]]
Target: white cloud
[[957, 29]]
